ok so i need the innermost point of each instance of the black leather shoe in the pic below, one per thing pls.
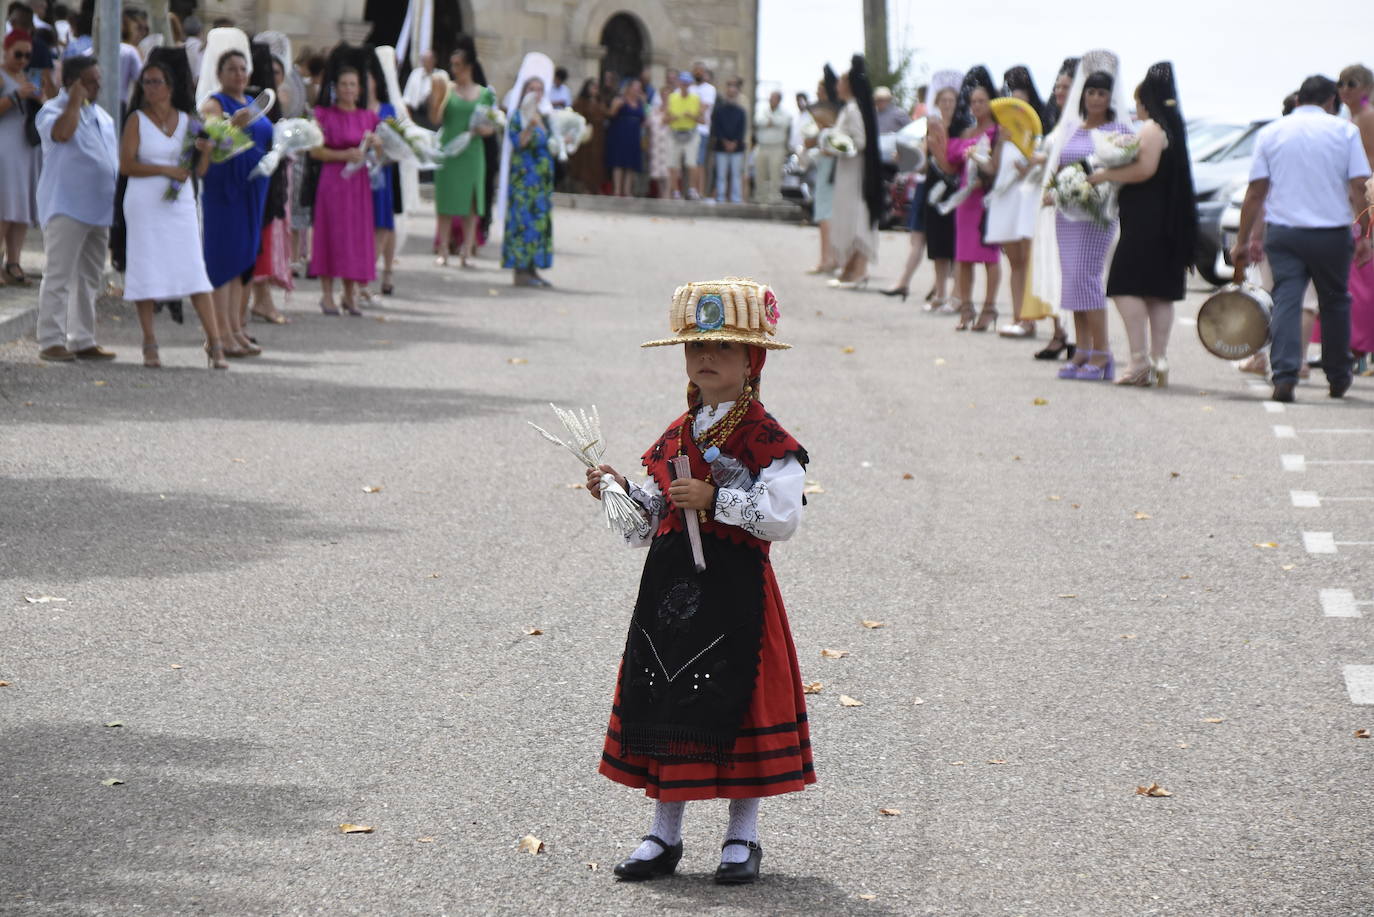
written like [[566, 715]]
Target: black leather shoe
[[1283, 392], [1338, 389], [633, 870], [740, 873]]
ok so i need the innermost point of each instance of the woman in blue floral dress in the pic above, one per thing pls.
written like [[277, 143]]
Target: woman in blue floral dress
[[528, 243]]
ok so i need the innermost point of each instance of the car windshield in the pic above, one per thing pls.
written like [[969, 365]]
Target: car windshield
[[1243, 148], [1202, 134]]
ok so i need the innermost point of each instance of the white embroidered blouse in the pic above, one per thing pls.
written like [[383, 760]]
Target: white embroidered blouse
[[770, 510]]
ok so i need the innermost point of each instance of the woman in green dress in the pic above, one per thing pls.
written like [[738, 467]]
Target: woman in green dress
[[460, 183]]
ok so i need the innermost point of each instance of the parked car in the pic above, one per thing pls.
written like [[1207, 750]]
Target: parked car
[[1217, 176]]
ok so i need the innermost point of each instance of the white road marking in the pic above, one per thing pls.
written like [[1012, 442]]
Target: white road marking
[[1285, 432], [1256, 384], [1300, 463], [1319, 542], [1305, 499], [1359, 683], [1186, 321], [1273, 407], [1340, 432], [1293, 462], [1340, 603]]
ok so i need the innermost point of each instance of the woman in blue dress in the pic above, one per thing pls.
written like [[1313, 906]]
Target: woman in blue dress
[[384, 197], [232, 206], [625, 139], [528, 242]]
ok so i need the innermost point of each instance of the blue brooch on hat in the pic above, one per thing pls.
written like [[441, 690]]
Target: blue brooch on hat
[[710, 312]]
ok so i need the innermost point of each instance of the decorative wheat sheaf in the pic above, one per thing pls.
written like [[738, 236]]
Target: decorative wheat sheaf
[[622, 513]]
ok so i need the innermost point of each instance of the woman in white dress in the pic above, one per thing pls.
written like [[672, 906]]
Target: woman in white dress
[[858, 195], [164, 258], [19, 174], [1013, 204]]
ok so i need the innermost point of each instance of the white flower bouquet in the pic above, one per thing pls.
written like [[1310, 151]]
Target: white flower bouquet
[[488, 116], [839, 143], [567, 131], [1113, 150], [406, 141], [1078, 199], [290, 135]]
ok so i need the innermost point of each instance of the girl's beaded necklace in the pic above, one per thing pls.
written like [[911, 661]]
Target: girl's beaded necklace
[[719, 432]]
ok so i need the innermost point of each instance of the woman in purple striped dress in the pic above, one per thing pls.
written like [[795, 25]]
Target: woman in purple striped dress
[[1083, 243]]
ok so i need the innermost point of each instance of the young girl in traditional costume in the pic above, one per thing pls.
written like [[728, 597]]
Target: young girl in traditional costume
[[709, 701]]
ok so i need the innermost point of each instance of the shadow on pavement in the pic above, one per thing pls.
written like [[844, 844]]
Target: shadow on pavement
[[775, 893], [158, 843], [60, 530]]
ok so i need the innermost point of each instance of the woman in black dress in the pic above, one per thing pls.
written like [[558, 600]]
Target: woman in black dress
[[1158, 229], [939, 227]]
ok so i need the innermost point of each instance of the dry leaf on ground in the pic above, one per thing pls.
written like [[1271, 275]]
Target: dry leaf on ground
[[868, 897], [593, 867], [531, 845], [111, 781], [940, 361], [1128, 636], [834, 654], [517, 361], [1174, 474], [1140, 515], [1153, 789], [424, 840], [1040, 402], [349, 828], [1266, 544], [873, 625], [42, 599], [847, 701], [372, 489], [114, 724], [533, 632], [4, 684], [918, 702], [1215, 719], [814, 687], [100, 382], [1361, 733], [813, 489], [997, 761], [957, 763], [1288, 566], [1055, 498], [889, 811], [1068, 595], [908, 476], [176, 665], [847, 350]]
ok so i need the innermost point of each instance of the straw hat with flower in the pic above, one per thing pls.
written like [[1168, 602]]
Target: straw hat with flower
[[734, 309]]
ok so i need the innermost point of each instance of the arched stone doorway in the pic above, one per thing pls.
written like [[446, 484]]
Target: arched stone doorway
[[626, 45]]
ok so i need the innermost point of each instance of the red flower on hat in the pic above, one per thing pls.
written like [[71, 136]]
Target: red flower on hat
[[770, 307]]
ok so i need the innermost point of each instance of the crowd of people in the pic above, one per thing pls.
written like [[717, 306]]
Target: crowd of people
[[999, 179], [150, 194]]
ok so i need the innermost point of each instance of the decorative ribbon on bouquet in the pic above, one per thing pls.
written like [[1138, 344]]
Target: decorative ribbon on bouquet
[[622, 513]]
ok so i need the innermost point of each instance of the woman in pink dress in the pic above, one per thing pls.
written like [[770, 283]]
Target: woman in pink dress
[[1356, 85], [972, 123], [344, 245]]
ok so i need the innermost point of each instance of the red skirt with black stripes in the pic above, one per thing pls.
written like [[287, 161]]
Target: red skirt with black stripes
[[772, 753]]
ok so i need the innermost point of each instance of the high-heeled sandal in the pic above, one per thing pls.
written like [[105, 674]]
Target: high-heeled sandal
[[1070, 369], [1161, 366], [441, 261], [214, 356], [946, 306], [1058, 344], [1017, 330], [986, 319], [1144, 377], [270, 318], [324, 307], [352, 308], [247, 347], [841, 284], [896, 291], [965, 317], [151, 360], [387, 288], [823, 269], [1091, 372]]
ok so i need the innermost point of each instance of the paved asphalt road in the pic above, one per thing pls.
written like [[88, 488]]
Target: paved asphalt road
[[287, 653]]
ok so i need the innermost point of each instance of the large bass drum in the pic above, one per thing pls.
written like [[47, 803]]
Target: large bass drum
[[1234, 322]]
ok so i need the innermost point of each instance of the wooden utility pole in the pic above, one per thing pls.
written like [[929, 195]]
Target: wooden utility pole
[[109, 15], [875, 38]]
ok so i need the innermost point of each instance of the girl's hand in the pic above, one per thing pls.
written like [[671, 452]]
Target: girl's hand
[[594, 480], [689, 493], [1097, 177]]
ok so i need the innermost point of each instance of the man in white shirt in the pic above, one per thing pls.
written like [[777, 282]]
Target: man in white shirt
[[418, 84], [772, 130], [76, 192], [703, 90], [560, 96], [1308, 175]]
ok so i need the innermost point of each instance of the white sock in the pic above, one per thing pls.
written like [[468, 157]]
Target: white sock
[[744, 826], [667, 825]]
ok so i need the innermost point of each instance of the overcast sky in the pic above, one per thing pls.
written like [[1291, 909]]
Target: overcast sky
[[1228, 65]]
